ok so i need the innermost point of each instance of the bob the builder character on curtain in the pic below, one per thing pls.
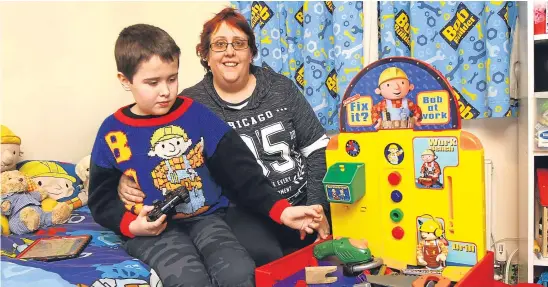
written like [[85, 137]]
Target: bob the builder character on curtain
[[395, 111]]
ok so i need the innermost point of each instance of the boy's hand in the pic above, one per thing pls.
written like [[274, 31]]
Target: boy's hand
[[303, 218], [142, 227], [129, 191]]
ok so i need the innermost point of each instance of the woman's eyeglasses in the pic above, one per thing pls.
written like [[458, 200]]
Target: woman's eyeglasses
[[221, 46]]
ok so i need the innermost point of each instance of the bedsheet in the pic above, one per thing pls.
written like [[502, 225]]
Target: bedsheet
[[102, 263]]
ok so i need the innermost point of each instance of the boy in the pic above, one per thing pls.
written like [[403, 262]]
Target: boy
[[166, 142]]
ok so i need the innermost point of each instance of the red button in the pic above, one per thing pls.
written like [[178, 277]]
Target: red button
[[394, 178], [397, 232]]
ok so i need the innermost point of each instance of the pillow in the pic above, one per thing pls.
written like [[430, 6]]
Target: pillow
[[59, 179]]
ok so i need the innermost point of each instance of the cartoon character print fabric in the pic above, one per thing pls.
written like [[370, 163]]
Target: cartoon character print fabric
[[468, 42]]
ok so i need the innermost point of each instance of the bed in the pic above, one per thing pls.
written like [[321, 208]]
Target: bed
[[102, 263]]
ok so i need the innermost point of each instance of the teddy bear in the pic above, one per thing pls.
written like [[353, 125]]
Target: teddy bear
[[21, 204]]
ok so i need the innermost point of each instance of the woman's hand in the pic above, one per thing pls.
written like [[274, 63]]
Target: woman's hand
[[303, 218], [142, 227], [323, 229], [129, 191]]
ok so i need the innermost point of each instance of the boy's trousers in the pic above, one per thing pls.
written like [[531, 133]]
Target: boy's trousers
[[200, 251]]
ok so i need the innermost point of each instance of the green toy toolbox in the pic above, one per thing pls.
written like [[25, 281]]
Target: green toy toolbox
[[344, 182]]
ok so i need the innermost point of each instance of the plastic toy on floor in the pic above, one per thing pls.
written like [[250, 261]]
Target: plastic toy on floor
[[415, 191]]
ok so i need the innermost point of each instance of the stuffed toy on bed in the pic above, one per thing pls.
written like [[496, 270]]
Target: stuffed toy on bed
[[56, 181], [21, 204], [10, 153], [10, 149]]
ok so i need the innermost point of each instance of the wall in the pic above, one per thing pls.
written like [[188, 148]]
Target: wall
[[59, 80], [58, 70], [500, 143]]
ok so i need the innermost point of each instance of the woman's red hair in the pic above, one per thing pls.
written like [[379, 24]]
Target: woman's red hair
[[231, 18]]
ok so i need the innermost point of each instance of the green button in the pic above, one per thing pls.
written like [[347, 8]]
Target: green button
[[396, 215]]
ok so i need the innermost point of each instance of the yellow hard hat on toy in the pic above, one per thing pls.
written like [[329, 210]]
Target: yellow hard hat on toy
[[431, 226], [392, 73], [8, 137], [166, 133], [428, 152], [45, 168], [392, 146]]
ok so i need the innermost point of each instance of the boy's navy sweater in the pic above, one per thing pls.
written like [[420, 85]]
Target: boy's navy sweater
[[188, 146]]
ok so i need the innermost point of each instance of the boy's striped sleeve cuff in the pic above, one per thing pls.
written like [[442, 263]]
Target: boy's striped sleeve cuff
[[277, 209], [124, 224]]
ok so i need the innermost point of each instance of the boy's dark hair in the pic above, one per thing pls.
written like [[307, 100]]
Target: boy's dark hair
[[138, 43]]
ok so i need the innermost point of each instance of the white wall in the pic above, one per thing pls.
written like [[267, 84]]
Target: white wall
[[58, 69], [500, 144], [59, 80]]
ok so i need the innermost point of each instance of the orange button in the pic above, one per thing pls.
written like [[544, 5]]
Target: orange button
[[397, 232], [394, 178]]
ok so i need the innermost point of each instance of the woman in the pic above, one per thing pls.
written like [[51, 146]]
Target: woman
[[274, 120]]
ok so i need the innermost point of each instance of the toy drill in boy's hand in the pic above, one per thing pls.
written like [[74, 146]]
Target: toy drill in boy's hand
[[353, 253], [167, 205]]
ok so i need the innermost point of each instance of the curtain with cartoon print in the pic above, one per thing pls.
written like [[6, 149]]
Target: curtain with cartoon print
[[468, 42], [317, 44]]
